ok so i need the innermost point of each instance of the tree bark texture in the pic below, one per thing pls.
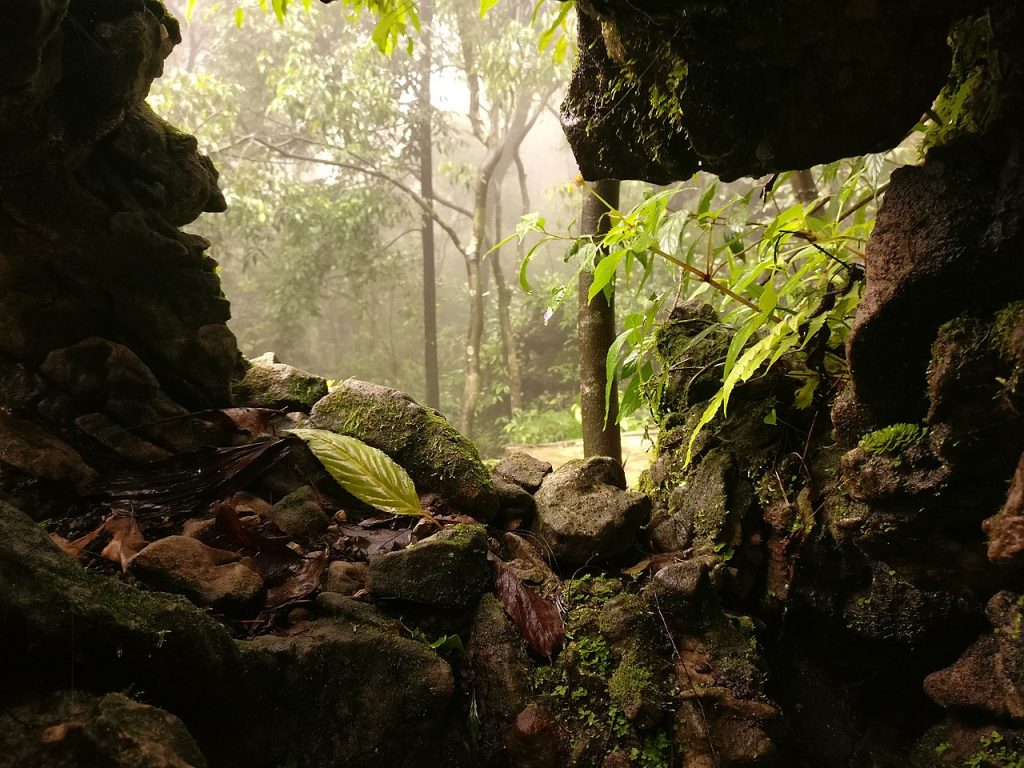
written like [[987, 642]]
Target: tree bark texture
[[426, 152], [595, 325]]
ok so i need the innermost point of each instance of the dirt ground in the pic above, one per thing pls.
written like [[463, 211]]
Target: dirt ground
[[636, 452]]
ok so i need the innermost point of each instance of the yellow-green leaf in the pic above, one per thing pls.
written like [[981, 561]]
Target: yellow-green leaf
[[188, 9], [367, 473], [486, 5]]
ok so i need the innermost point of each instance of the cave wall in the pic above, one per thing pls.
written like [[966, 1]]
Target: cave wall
[[111, 317], [884, 563]]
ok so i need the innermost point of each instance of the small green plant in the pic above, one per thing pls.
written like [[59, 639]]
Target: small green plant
[[655, 752], [994, 753], [893, 439]]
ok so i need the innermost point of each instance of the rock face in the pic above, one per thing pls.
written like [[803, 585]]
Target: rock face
[[269, 383], [449, 570], [74, 728], [662, 91], [585, 515], [938, 223], [94, 186], [430, 449]]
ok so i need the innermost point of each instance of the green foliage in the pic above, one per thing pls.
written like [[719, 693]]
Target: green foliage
[[996, 753], [543, 425], [656, 751], [786, 283], [367, 473], [893, 439]]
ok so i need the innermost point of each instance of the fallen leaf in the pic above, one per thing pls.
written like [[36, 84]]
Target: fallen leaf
[[537, 620], [229, 523], [127, 539], [303, 581]]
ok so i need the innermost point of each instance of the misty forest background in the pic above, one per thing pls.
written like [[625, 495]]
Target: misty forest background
[[328, 160]]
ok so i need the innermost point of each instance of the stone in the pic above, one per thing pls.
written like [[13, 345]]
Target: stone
[[585, 515], [269, 383], [523, 470], [207, 576], [514, 503], [502, 677], [299, 514], [33, 450], [1005, 529], [431, 450], [690, 344], [700, 513], [74, 729], [537, 741], [447, 570], [683, 590], [988, 679], [345, 578], [355, 696]]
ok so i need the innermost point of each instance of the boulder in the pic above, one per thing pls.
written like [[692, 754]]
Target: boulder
[[514, 503], [502, 677], [430, 449], [74, 729], [33, 450], [586, 515], [269, 383], [448, 570], [207, 576], [348, 694]]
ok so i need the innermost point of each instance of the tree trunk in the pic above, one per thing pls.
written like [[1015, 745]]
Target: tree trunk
[[508, 339], [595, 325], [426, 152], [804, 188]]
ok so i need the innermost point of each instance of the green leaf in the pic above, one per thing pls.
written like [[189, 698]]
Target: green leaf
[[239, 16], [604, 272], [705, 200], [279, 9], [367, 473], [188, 9], [486, 5]]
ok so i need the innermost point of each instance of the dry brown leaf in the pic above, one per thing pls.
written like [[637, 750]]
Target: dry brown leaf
[[538, 621], [302, 582], [126, 542]]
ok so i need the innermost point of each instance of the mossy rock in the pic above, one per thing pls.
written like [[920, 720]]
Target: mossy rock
[[431, 450], [449, 570], [270, 384], [74, 728]]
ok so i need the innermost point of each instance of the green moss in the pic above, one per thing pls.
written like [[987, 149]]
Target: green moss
[[893, 439], [631, 684], [972, 99]]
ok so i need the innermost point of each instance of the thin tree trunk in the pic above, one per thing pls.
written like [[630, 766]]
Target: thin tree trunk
[[426, 152], [508, 339], [475, 332], [804, 188], [595, 326]]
